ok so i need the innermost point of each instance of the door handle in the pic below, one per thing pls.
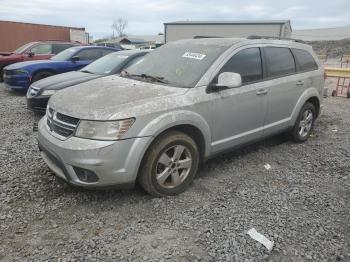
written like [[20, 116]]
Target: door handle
[[300, 83], [261, 92]]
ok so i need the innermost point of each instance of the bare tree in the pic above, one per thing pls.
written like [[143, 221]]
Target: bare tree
[[119, 26]]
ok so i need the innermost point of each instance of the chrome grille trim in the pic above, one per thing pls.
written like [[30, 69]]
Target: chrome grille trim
[[59, 128]]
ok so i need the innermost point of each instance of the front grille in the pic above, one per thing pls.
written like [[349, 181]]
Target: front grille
[[67, 119], [61, 124], [8, 72]]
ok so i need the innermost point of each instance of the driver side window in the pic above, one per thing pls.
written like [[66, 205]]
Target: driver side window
[[247, 63]]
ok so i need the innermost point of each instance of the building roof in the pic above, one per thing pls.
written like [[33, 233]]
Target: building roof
[[136, 39], [148, 38], [24, 23], [240, 22]]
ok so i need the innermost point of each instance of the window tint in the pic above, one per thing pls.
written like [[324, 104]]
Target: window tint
[[42, 49], [57, 48], [106, 52], [305, 60], [280, 61], [90, 54], [247, 63], [134, 61]]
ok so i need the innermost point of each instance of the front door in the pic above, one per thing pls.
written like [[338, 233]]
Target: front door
[[239, 113]]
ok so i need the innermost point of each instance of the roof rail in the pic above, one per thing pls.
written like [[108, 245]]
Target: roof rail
[[275, 37]]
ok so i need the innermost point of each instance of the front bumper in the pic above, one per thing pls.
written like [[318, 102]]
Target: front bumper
[[115, 163], [21, 84], [37, 103]]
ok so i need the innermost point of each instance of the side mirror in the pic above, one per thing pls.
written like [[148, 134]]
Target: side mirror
[[75, 58], [227, 80], [31, 54]]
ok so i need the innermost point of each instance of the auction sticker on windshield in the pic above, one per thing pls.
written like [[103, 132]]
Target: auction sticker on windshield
[[197, 56]]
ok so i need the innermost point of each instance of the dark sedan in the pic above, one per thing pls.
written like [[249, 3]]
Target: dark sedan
[[39, 92]]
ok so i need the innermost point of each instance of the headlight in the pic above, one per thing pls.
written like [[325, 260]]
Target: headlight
[[103, 130], [48, 92], [19, 72]]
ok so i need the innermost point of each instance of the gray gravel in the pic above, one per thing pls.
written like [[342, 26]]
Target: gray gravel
[[301, 203]]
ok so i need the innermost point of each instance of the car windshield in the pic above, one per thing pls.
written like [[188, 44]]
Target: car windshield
[[181, 63], [23, 48], [105, 65], [65, 55]]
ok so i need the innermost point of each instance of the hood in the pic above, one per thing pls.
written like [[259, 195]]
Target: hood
[[61, 81], [113, 97], [21, 65]]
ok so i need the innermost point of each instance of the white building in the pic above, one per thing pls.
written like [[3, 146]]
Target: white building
[[190, 29]]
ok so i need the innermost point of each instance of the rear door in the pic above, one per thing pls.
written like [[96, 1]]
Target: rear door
[[307, 70], [284, 89]]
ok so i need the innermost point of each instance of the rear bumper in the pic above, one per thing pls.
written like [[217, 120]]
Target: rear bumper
[[115, 163]]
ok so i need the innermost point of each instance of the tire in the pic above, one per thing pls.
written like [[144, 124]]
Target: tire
[[1, 75], [348, 94], [334, 93], [41, 75], [165, 156], [302, 130]]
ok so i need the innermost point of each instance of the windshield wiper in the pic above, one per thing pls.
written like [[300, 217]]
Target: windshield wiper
[[86, 71], [154, 78]]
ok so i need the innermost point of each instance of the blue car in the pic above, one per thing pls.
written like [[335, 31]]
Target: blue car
[[20, 76]]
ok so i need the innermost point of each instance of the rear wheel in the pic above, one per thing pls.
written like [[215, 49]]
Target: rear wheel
[[41, 75], [334, 93], [169, 165], [304, 124]]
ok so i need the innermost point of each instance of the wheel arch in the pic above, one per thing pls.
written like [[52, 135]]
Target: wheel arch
[[316, 102], [187, 122], [310, 95], [37, 71]]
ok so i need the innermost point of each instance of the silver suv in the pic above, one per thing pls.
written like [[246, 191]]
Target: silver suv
[[182, 104]]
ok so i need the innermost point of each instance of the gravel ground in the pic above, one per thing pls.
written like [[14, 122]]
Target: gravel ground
[[301, 203]]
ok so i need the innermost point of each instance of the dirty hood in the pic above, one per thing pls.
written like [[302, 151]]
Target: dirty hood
[[64, 80], [113, 97]]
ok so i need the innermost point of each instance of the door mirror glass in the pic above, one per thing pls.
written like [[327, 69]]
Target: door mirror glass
[[31, 54], [229, 80], [75, 58]]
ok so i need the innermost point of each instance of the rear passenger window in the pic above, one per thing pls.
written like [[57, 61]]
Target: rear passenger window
[[280, 61], [57, 48], [247, 63], [90, 54], [305, 60]]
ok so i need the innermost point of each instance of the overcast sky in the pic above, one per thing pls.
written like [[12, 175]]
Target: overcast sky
[[148, 16]]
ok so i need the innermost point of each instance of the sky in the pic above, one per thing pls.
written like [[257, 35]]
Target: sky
[[146, 17]]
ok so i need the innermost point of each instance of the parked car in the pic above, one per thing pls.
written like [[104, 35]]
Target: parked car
[[187, 101], [33, 51], [20, 76], [39, 93]]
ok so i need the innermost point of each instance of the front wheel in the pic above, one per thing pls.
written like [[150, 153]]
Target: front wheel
[[169, 165], [304, 124]]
